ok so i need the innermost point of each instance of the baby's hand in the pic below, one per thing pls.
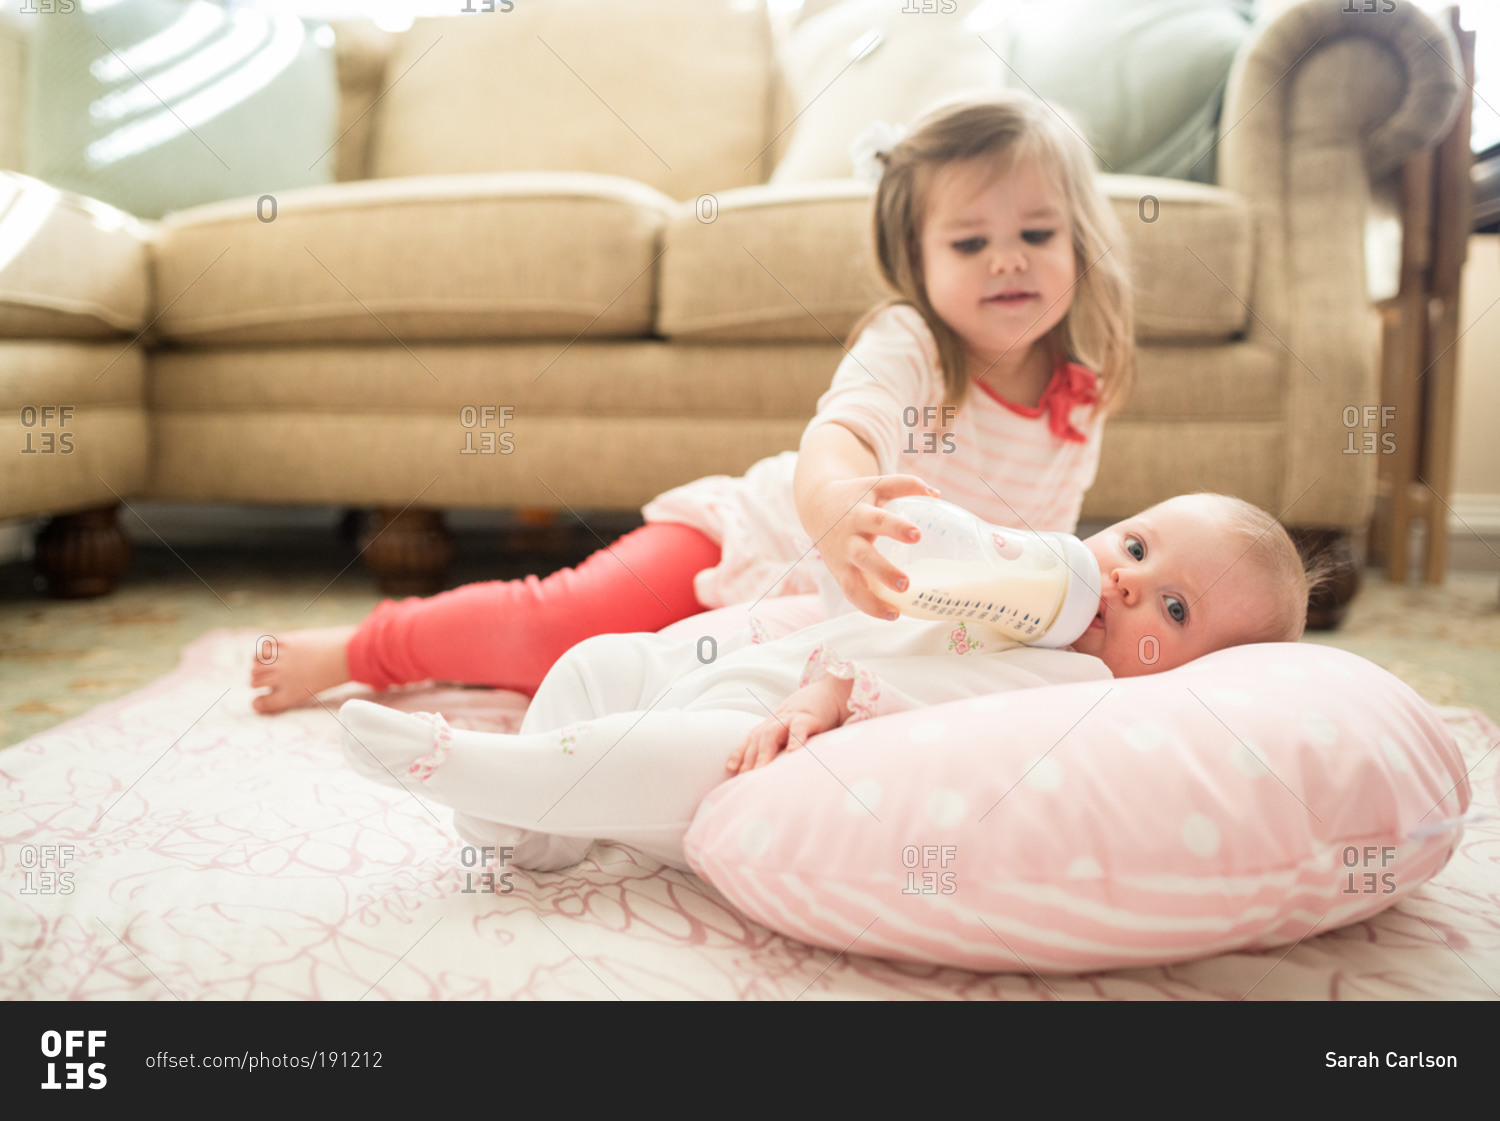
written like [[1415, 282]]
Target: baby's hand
[[853, 509], [814, 708]]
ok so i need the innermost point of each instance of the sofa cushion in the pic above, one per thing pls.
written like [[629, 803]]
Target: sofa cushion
[[673, 93], [796, 261], [69, 266], [637, 377], [1191, 256], [451, 257], [1246, 458], [792, 262], [1207, 382], [73, 423]]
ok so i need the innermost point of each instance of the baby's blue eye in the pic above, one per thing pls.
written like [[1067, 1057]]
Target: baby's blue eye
[[1176, 609], [970, 245], [1037, 237], [1134, 547]]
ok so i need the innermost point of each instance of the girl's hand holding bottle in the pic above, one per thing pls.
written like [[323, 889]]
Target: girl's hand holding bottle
[[853, 511]]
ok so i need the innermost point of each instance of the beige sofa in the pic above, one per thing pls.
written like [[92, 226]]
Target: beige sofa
[[520, 295]]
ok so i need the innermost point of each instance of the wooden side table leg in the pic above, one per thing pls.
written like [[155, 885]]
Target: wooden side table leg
[[1403, 390], [1437, 443], [82, 555], [1390, 345], [1405, 431], [1453, 211]]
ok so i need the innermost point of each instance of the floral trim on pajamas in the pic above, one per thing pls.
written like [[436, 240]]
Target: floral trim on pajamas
[[866, 692], [442, 740]]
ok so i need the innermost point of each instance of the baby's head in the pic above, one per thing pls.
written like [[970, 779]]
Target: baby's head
[[1189, 576], [990, 221]]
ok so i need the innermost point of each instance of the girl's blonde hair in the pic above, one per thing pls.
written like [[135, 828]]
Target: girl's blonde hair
[[1009, 127]]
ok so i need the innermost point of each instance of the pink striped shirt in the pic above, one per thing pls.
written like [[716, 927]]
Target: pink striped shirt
[[1002, 463]]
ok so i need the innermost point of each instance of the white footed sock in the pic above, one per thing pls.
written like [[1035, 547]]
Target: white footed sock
[[635, 777]]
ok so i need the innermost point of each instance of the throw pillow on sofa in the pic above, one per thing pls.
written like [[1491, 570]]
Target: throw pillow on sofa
[[1143, 81], [158, 105], [875, 59], [1146, 79]]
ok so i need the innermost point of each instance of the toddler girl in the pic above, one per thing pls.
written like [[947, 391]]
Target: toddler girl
[[628, 733], [978, 379]]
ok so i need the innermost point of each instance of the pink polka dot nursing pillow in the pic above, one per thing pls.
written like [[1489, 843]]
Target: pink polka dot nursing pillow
[[1241, 801]]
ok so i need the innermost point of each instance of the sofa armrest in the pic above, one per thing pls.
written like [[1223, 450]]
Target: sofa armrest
[[1321, 101]]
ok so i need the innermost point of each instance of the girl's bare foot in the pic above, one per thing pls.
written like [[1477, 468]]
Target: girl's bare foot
[[302, 663]]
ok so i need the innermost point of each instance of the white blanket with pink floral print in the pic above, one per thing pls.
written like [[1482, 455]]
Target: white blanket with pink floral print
[[172, 844]]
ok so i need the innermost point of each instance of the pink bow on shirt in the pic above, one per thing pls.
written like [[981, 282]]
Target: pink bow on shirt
[[1071, 385]]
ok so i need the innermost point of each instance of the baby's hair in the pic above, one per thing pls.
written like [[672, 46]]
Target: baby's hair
[[1293, 579], [1007, 128]]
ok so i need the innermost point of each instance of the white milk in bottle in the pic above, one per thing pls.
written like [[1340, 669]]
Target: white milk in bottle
[[1041, 589]]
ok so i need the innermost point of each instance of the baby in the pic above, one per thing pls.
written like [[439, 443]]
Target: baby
[[628, 732]]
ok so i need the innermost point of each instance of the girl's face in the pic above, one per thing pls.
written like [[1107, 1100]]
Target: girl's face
[[997, 255]]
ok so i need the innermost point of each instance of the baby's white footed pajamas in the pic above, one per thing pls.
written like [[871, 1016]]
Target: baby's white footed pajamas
[[628, 732]]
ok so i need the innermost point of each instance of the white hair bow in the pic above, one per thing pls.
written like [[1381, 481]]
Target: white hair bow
[[865, 150]]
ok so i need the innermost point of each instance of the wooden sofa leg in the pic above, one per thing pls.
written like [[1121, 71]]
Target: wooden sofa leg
[[1346, 555], [541, 529], [350, 524], [81, 555], [408, 552]]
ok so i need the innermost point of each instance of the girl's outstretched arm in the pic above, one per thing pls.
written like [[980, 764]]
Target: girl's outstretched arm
[[839, 497]]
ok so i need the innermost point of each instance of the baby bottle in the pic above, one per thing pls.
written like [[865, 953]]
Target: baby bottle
[[1041, 589]]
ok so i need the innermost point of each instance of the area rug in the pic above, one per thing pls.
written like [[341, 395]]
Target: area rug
[[173, 844]]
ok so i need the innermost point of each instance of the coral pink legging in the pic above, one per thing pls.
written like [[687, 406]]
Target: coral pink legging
[[507, 633]]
